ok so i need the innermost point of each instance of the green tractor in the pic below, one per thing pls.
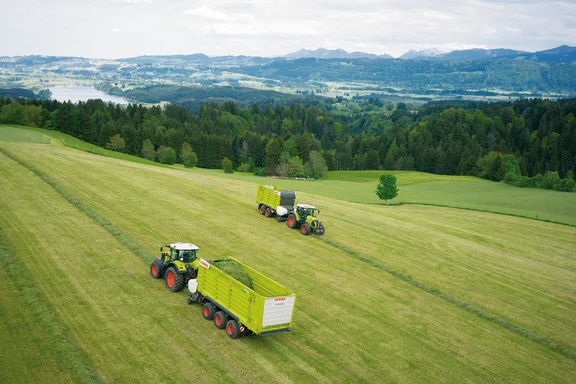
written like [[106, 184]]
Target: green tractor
[[176, 265], [304, 217]]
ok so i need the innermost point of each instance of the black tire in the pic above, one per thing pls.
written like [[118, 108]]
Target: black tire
[[268, 212], [157, 268], [221, 319], [233, 329], [261, 209], [305, 229], [292, 223], [320, 231], [208, 311], [174, 279]]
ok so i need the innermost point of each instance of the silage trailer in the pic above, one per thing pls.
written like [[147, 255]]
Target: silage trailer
[[263, 308]]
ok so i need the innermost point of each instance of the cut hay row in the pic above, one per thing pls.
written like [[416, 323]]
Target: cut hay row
[[556, 346], [73, 364], [127, 241]]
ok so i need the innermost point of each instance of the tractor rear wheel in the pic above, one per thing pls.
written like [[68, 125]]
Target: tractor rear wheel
[[268, 212], [157, 268], [261, 209], [320, 230], [208, 311], [174, 279], [233, 329], [220, 319], [292, 221], [305, 229]]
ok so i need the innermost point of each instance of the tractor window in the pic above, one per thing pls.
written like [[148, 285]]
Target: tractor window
[[173, 254], [187, 256]]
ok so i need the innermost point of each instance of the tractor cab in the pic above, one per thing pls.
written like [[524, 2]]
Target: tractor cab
[[183, 252], [304, 218], [305, 210], [176, 265]]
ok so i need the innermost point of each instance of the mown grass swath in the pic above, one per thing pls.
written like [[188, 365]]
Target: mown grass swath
[[564, 350], [44, 313], [128, 242]]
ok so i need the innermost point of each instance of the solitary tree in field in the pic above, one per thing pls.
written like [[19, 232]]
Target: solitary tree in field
[[386, 189]]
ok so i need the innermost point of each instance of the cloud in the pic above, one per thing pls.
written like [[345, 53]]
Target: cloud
[[135, 1], [269, 29], [207, 13]]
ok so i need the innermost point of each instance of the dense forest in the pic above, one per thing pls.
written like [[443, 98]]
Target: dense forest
[[508, 75], [514, 141]]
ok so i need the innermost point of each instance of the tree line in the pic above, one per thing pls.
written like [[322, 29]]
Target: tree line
[[479, 139]]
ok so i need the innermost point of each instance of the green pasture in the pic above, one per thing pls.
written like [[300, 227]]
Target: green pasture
[[465, 192], [407, 293]]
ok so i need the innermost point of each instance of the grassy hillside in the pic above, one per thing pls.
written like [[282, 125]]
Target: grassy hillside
[[396, 294], [421, 188]]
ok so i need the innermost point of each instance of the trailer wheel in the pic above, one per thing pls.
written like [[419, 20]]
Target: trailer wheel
[[291, 221], [208, 311], [268, 212], [305, 229], [220, 319], [320, 230], [233, 329], [157, 268], [174, 279], [261, 209]]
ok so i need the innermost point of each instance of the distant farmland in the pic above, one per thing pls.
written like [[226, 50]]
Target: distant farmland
[[408, 293]]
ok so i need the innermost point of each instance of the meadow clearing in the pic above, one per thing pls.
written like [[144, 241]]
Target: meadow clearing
[[401, 293]]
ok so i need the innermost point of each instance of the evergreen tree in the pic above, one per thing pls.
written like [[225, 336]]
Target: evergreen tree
[[386, 189]]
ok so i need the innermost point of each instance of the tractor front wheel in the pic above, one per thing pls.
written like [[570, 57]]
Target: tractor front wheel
[[291, 221], [208, 311], [305, 229], [220, 319], [233, 329], [157, 268], [174, 279]]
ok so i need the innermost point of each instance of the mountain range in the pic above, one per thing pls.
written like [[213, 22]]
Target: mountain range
[[561, 54], [323, 53]]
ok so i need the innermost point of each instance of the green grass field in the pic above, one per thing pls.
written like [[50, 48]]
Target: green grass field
[[408, 293]]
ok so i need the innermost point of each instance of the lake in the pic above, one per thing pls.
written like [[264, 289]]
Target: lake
[[83, 93]]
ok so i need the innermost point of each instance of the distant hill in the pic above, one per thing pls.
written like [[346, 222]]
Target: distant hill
[[323, 53], [479, 54], [17, 92], [561, 54], [422, 54]]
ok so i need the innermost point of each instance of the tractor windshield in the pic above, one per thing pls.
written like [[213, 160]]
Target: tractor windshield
[[185, 256]]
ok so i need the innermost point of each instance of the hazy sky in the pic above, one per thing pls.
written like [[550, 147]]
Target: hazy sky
[[126, 28]]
